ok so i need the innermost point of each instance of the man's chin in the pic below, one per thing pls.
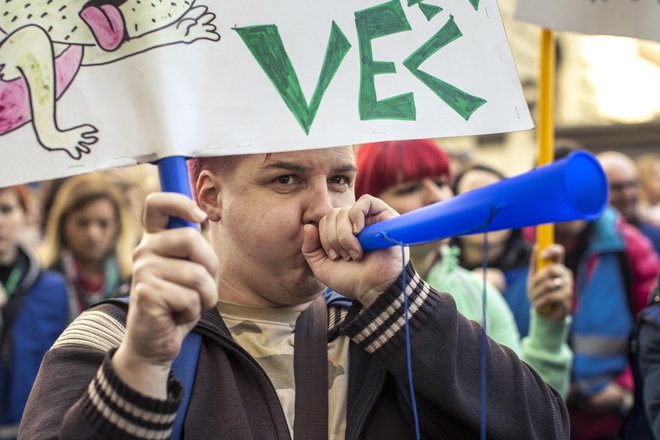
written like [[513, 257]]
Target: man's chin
[[307, 287], [310, 285]]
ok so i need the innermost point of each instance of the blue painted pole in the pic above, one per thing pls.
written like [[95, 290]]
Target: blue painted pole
[[174, 178]]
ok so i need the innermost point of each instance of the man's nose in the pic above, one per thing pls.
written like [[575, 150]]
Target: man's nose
[[630, 191], [317, 205]]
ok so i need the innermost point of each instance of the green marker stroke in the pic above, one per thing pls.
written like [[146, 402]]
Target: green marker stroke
[[463, 103], [379, 21], [268, 49]]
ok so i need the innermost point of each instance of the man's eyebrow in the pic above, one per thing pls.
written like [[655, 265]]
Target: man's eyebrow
[[285, 165], [346, 168], [293, 166]]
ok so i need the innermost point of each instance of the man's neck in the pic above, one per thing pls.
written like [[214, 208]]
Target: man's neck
[[232, 292]]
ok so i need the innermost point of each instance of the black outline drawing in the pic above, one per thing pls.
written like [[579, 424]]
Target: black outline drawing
[[43, 40]]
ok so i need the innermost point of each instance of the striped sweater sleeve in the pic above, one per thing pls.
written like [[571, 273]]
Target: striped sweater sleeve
[[77, 393], [380, 329], [114, 410], [446, 352]]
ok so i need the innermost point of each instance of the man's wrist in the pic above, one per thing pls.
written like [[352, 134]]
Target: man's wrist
[[369, 298], [142, 376], [117, 410]]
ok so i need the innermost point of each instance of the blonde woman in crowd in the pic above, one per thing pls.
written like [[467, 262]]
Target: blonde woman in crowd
[[648, 167], [90, 235]]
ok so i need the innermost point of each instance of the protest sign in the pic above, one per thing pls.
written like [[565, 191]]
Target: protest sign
[[86, 87]]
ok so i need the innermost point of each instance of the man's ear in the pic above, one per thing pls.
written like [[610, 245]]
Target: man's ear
[[208, 191]]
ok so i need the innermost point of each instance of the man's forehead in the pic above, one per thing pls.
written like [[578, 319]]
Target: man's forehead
[[343, 157], [616, 164]]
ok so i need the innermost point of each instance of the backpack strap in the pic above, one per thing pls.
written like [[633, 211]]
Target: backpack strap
[[184, 367], [310, 366]]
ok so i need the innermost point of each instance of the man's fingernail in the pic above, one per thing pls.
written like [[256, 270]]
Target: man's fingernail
[[355, 228], [199, 215]]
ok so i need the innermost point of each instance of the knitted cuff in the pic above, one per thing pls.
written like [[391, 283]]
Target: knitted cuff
[[117, 411], [380, 329]]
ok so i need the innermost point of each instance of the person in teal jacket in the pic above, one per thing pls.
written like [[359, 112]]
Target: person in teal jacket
[[408, 175]]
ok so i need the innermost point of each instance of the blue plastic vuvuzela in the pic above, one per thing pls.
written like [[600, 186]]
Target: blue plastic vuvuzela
[[573, 188]]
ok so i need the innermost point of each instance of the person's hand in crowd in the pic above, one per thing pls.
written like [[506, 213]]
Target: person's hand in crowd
[[174, 280], [550, 289], [335, 256], [612, 398]]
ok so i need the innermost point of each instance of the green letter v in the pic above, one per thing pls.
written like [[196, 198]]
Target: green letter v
[[266, 46]]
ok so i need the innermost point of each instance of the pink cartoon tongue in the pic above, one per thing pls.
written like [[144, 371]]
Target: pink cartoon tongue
[[107, 24]]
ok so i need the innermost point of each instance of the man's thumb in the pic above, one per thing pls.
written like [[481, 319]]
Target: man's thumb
[[311, 240]]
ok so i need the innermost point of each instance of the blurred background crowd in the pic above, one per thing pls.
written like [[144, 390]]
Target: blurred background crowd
[[67, 244]]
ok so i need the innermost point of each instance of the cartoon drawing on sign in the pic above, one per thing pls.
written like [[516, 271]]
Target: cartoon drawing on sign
[[43, 43]]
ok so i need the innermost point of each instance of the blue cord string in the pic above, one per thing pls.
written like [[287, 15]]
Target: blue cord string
[[413, 402], [494, 210], [484, 340]]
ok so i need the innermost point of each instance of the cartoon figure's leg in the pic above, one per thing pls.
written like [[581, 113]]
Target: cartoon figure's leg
[[195, 24], [27, 55]]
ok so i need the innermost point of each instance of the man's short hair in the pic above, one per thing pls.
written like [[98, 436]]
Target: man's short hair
[[217, 165]]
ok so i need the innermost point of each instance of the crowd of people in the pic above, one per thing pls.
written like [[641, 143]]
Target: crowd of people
[[82, 257], [295, 330]]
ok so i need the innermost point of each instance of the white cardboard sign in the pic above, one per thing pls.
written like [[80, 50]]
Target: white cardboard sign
[[86, 87]]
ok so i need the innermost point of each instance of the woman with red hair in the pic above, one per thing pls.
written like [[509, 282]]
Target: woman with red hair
[[411, 174]]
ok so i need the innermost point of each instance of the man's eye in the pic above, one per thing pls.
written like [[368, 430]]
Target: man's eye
[[340, 180], [285, 180], [440, 183], [6, 209]]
